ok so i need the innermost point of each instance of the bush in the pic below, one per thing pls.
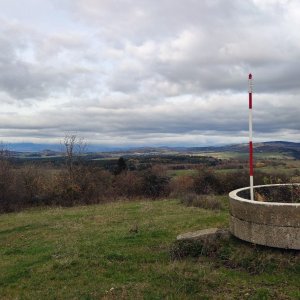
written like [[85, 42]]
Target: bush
[[207, 182], [285, 194], [32, 183], [8, 190], [236, 254], [87, 186], [181, 185], [128, 185], [235, 180], [155, 183], [202, 201]]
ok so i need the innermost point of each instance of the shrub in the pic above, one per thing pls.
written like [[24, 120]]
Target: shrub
[[236, 254], [86, 186], [202, 201], [235, 180], [285, 194], [32, 183], [207, 182], [181, 185], [154, 184], [127, 184], [9, 199]]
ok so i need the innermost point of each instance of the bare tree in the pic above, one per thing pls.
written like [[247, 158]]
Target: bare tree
[[74, 148], [72, 180]]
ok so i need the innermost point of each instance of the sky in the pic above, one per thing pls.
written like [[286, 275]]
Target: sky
[[148, 72]]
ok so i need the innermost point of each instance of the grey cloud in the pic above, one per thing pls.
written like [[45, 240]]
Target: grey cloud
[[212, 50], [153, 71], [161, 119], [43, 75]]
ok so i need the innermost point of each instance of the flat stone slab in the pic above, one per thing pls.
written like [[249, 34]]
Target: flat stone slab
[[205, 235]]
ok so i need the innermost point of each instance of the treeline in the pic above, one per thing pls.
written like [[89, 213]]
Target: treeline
[[134, 162], [32, 185], [76, 182]]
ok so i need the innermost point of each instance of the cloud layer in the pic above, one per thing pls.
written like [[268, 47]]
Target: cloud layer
[[149, 72]]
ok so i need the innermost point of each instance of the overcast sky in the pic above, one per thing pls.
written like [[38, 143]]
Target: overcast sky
[[148, 72]]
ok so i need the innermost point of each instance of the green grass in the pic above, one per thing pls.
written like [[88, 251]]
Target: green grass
[[175, 173], [245, 155], [278, 170], [122, 251]]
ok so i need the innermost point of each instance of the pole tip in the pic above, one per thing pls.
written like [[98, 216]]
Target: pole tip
[[250, 76]]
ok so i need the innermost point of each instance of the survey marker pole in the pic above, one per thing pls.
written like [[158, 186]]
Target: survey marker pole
[[250, 137]]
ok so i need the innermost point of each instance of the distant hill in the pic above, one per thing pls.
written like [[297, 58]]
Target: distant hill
[[265, 146], [287, 148], [33, 147]]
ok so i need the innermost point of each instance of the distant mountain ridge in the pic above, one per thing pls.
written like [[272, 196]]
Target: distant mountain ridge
[[290, 148], [231, 147], [34, 147]]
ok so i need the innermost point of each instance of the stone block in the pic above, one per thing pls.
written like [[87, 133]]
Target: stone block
[[205, 235]]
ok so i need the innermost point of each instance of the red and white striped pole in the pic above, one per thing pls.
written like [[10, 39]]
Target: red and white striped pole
[[250, 137]]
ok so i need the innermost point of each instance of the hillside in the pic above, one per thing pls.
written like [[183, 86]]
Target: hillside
[[287, 149]]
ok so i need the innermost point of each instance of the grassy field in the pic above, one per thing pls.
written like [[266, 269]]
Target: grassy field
[[174, 173], [245, 155], [122, 251]]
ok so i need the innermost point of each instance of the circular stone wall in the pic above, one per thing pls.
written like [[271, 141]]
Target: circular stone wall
[[271, 224]]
